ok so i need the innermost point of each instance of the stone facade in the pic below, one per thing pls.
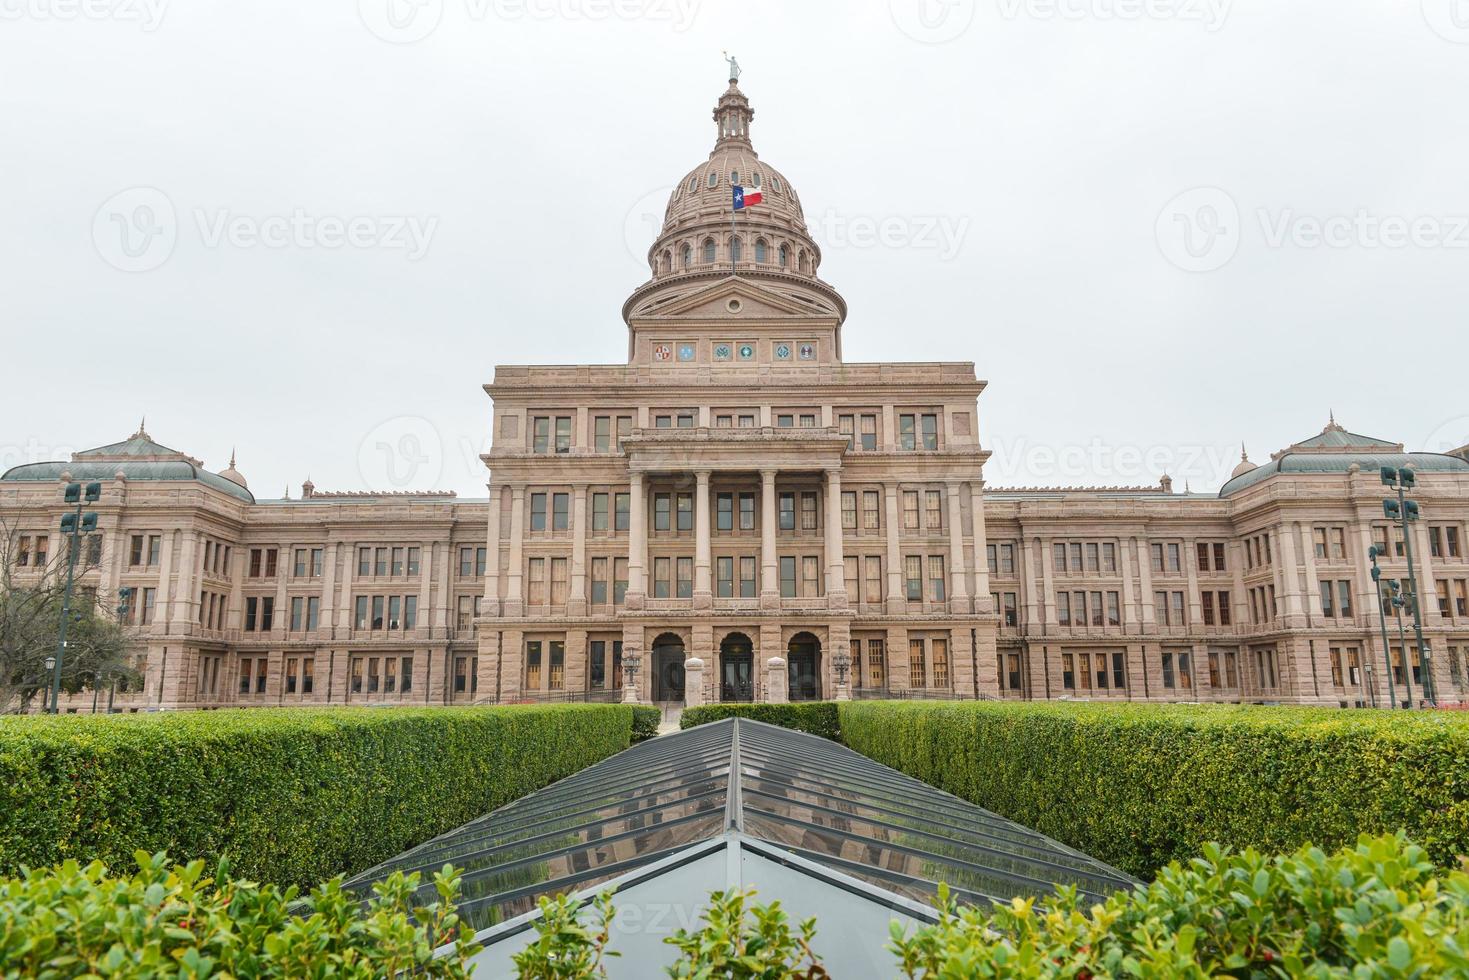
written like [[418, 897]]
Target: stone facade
[[749, 516]]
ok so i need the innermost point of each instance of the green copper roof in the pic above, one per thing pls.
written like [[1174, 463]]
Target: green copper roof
[[138, 458], [1341, 463], [1339, 438]]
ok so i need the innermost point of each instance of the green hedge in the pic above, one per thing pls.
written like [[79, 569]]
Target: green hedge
[[1141, 785], [292, 796], [815, 717], [645, 721], [168, 921]]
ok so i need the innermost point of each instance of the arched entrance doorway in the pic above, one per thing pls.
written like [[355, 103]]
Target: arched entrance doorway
[[668, 658], [803, 660], [736, 668]]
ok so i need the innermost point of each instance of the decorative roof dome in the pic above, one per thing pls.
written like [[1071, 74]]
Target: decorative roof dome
[[1244, 463], [705, 240], [696, 225], [233, 475]]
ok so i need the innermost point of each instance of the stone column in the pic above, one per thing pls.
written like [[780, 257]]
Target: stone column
[[162, 608], [491, 603], [1427, 588], [576, 602], [1290, 574], [514, 596], [1048, 582], [982, 602], [330, 555], [897, 602], [1131, 612], [703, 590], [769, 564], [637, 544], [182, 611], [1191, 566], [836, 569], [1145, 574], [958, 574]]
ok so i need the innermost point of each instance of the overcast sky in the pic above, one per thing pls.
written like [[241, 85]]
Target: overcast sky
[[311, 230]]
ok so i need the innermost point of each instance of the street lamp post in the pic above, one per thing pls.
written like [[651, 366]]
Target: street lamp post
[[1405, 512], [842, 662], [72, 526], [630, 664], [1392, 697]]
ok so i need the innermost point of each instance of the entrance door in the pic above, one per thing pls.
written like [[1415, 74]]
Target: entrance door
[[737, 669], [668, 658], [803, 658]]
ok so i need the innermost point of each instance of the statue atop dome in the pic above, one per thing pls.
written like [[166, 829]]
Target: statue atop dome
[[734, 66]]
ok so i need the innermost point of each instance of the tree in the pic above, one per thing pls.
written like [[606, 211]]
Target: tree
[[98, 648]]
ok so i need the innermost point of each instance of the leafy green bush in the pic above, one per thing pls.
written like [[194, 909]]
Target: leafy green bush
[[171, 921], [292, 796], [1373, 911], [1141, 785], [1379, 909], [645, 720], [815, 717]]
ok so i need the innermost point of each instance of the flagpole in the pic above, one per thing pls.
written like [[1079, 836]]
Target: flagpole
[[732, 237]]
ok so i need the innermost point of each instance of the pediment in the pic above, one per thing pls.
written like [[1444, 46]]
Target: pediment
[[712, 302]]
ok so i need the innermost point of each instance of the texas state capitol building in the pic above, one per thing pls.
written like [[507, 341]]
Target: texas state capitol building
[[741, 511]]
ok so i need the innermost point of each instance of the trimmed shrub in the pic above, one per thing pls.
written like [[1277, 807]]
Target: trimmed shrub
[[1141, 785], [814, 717], [1377, 910], [645, 721], [171, 921], [292, 796]]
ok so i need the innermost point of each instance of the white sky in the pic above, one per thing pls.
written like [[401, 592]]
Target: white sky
[[1024, 159]]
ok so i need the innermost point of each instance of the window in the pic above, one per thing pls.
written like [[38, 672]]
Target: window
[[724, 577], [787, 576], [662, 578], [810, 576], [560, 511], [557, 675], [1114, 613], [748, 583], [872, 579], [599, 582], [913, 577], [847, 426], [849, 510], [684, 582], [685, 504], [871, 508], [907, 432], [1176, 670], [787, 517], [662, 511], [724, 512], [559, 581], [619, 580], [602, 433], [808, 511], [910, 510], [933, 510], [538, 512], [563, 434], [747, 512], [599, 512], [536, 582], [621, 511], [916, 672], [876, 661]]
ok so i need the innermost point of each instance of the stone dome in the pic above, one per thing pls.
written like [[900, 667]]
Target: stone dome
[[696, 235], [233, 475]]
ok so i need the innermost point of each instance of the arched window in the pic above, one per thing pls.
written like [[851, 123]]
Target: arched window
[[734, 249], [804, 263], [756, 178], [688, 256], [693, 183], [761, 251], [734, 177], [775, 184], [708, 250], [713, 178], [780, 255], [667, 261]]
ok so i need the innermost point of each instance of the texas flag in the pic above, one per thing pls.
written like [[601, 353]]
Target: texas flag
[[745, 196]]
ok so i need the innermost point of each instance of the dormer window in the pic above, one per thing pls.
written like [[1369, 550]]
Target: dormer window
[[709, 250], [713, 179], [775, 184], [781, 255], [688, 256], [734, 177], [693, 183], [761, 250], [756, 178]]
